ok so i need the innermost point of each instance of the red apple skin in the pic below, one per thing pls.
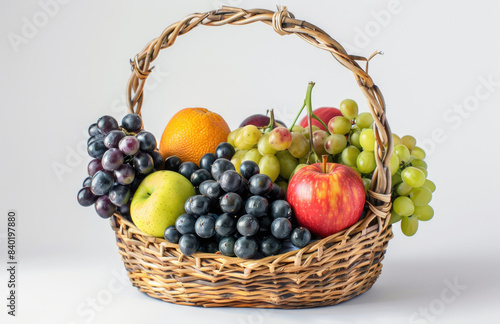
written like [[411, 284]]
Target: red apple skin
[[260, 120], [326, 203], [325, 114]]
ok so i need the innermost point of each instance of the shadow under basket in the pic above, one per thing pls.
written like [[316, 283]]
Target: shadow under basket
[[325, 272]]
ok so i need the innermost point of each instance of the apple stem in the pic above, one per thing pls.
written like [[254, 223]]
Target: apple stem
[[325, 160]]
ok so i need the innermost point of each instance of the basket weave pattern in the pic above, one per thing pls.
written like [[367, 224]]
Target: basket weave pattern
[[326, 272]]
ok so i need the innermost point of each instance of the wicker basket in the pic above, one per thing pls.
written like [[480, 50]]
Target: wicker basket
[[326, 272]]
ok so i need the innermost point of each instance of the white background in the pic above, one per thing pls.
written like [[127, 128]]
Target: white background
[[72, 67]]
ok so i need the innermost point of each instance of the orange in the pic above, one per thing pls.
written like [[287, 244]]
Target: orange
[[193, 132]]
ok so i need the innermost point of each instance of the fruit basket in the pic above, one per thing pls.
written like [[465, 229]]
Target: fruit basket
[[325, 272]]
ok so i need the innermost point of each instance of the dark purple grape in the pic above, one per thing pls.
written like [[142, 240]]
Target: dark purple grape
[[206, 161], [189, 244], [230, 181], [86, 182], [300, 237], [281, 228], [86, 197], [124, 174], [247, 225], [257, 206], [143, 162], [104, 207], [187, 205], [270, 246], [125, 211], [205, 226], [276, 193], [94, 166], [132, 123], [230, 203], [211, 189], [172, 234], [187, 169], [113, 138], [280, 208], [225, 224], [94, 130], [129, 145], [147, 141], [249, 168], [157, 160], [95, 138], [185, 224], [245, 247], [224, 151], [265, 224], [200, 205], [260, 184], [200, 175], [119, 195], [243, 191], [112, 159], [106, 124], [172, 163], [102, 181], [220, 166], [96, 149], [226, 246]]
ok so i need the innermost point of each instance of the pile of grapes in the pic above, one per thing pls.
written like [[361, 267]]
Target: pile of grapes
[[239, 214], [122, 157]]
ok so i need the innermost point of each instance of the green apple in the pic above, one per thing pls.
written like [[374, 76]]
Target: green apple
[[159, 200]]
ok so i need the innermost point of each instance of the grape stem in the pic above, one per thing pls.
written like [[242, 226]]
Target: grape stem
[[313, 115], [308, 103], [271, 121]]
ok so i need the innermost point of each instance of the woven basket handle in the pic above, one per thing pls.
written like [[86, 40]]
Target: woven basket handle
[[284, 23]]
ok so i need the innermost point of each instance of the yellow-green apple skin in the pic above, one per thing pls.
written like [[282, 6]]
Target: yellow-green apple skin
[[159, 200]]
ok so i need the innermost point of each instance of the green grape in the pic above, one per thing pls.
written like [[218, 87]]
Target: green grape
[[250, 134], [354, 138], [252, 155], [232, 135], [367, 139], [409, 225], [240, 143], [263, 145], [237, 159], [349, 108], [429, 185], [424, 213], [297, 168], [283, 185], [409, 141], [287, 163], [396, 178], [297, 129], [364, 120], [367, 183], [394, 164], [395, 217], [396, 139], [402, 152], [423, 170], [350, 155], [339, 125], [312, 159], [418, 152], [280, 138], [366, 162], [319, 140], [419, 163], [357, 171], [299, 146], [305, 132], [403, 189], [413, 177], [420, 196], [335, 143], [270, 165], [403, 206]]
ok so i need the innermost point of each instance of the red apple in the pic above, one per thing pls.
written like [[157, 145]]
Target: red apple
[[323, 113], [260, 120], [326, 202]]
